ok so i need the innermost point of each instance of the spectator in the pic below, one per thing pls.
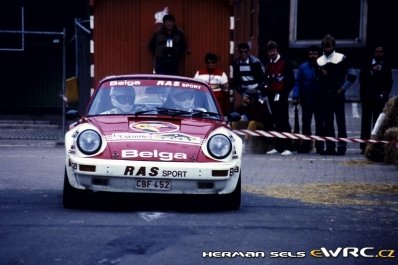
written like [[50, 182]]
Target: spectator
[[216, 78], [254, 116], [168, 46], [375, 79], [335, 76], [248, 71], [307, 92], [280, 81]]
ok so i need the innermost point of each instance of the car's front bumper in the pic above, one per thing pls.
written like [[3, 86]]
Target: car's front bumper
[[164, 177]]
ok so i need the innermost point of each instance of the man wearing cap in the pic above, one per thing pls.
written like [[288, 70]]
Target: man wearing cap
[[168, 45]]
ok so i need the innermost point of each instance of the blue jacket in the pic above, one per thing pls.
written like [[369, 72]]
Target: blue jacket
[[306, 82]]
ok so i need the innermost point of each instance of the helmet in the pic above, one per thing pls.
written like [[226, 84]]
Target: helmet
[[122, 98], [182, 98]]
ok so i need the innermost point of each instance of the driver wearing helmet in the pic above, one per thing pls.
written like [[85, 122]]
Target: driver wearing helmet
[[122, 99], [182, 99]]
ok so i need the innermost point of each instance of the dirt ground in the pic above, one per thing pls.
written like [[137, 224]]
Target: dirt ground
[[335, 194]]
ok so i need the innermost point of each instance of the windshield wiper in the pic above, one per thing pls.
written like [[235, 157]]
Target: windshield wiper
[[144, 111], [201, 113], [172, 112]]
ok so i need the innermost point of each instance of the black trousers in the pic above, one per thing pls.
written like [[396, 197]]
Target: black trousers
[[167, 65], [311, 108], [280, 117], [335, 108]]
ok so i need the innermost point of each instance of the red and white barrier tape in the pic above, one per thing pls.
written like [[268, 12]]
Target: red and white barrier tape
[[298, 136]]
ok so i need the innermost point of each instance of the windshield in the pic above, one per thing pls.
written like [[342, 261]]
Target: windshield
[[148, 97]]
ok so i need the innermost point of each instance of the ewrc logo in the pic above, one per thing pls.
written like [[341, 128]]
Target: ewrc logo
[[366, 252]]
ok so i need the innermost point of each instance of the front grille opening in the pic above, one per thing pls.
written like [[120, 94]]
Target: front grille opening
[[220, 173], [88, 168], [205, 185], [100, 182]]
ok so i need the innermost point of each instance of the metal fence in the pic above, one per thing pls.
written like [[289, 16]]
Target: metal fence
[[33, 76]]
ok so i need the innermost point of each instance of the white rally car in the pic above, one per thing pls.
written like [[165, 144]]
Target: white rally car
[[152, 134]]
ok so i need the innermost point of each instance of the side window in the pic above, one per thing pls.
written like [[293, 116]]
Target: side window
[[345, 20], [208, 102], [200, 100], [101, 102]]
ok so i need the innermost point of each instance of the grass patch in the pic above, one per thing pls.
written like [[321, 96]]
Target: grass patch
[[361, 162], [334, 194]]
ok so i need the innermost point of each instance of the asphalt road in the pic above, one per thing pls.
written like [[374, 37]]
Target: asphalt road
[[36, 229]]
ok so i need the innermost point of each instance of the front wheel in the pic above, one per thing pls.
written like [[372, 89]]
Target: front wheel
[[72, 197], [232, 201]]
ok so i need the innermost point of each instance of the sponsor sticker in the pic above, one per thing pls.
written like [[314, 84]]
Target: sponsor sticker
[[167, 137], [154, 127]]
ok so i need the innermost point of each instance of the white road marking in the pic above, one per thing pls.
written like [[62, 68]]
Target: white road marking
[[355, 112], [150, 216]]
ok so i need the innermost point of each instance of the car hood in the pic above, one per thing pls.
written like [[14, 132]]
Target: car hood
[[168, 139]]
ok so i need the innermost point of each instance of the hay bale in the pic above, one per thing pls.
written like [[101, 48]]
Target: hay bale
[[380, 152], [391, 149]]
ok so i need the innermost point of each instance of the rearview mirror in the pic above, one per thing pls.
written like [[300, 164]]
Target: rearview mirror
[[72, 115], [234, 117]]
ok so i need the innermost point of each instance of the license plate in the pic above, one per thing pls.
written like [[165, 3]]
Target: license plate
[[152, 184]]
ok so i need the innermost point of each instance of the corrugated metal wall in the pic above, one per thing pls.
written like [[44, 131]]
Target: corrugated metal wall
[[123, 28], [207, 29], [246, 19], [116, 35]]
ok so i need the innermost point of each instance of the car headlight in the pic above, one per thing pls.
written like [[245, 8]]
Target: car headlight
[[89, 142], [219, 146]]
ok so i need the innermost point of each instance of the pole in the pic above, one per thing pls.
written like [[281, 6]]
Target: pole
[[63, 79]]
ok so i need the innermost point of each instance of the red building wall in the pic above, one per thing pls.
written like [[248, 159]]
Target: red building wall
[[122, 29]]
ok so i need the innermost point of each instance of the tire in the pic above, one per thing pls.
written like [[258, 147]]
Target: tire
[[72, 198], [232, 201]]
